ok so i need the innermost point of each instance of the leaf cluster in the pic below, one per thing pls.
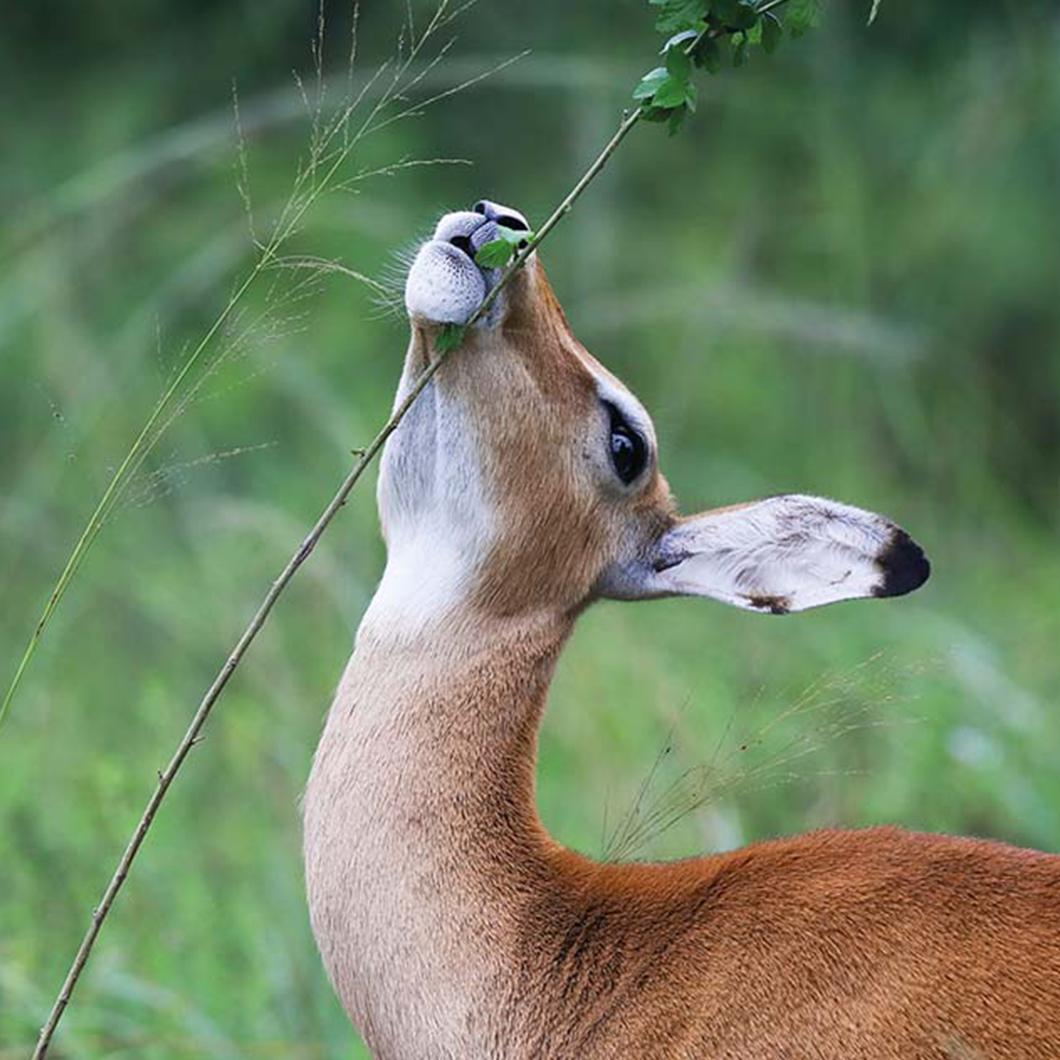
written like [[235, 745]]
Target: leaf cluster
[[710, 34]]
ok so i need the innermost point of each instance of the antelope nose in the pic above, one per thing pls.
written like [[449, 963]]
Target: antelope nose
[[502, 215]]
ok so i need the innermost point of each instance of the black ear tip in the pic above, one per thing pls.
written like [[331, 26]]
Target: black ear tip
[[904, 566]]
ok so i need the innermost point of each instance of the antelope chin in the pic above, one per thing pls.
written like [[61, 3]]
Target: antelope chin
[[444, 285]]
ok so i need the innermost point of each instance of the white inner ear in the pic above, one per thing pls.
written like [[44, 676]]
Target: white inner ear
[[783, 554]]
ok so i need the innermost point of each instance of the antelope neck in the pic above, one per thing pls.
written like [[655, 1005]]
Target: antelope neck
[[421, 835]]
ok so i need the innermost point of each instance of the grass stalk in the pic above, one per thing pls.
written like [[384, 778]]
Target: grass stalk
[[328, 154]]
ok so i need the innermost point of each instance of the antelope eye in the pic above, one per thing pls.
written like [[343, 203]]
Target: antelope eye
[[629, 451]]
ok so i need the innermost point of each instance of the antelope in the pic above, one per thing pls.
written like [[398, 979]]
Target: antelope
[[521, 487]]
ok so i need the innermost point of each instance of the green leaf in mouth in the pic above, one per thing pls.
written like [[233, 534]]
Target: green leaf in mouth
[[450, 336], [498, 252]]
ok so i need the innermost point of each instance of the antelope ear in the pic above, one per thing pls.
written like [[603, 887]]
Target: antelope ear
[[778, 555]]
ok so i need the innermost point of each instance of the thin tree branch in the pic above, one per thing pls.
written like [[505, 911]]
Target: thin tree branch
[[166, 776], [305, 549]]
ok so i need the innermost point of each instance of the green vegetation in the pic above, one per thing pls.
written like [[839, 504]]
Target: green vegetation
[[704, 33], [497, 254], [840, 278]]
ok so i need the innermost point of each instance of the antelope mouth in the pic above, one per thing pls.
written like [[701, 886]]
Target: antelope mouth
[[445, 284]]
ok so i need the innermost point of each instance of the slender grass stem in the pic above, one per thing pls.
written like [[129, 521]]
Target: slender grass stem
[[325, 162]]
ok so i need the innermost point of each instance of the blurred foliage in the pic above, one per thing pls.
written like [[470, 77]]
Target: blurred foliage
[[840, 279]]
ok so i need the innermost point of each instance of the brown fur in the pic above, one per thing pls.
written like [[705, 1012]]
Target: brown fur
[[453, 926], [527, 386]]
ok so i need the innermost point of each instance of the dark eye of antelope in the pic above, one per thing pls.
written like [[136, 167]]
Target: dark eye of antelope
[[629, 451]]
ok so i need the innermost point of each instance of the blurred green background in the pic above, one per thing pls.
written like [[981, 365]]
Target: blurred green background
[[841, 278]]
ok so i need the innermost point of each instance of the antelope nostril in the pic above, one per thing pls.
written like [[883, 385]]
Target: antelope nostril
[[463, 243], [516, 224]]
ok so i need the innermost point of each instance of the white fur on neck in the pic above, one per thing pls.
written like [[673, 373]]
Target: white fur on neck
[[435, 515], [426, 577]]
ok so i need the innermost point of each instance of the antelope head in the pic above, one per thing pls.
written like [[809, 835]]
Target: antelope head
[[525, 479]]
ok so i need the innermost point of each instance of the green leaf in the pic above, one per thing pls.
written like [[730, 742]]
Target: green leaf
[[874, 12], [515, 236], [708, 55], [690, 98], [802, 16], [675, 16], [673, 122], [772, 31], [671, 93], [735, 14], [650, 82], [678, 65], [495, 254], [449, 337], [498, 252], [739, 50]]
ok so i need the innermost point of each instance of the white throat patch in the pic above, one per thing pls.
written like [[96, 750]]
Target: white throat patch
[[436, 518]]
